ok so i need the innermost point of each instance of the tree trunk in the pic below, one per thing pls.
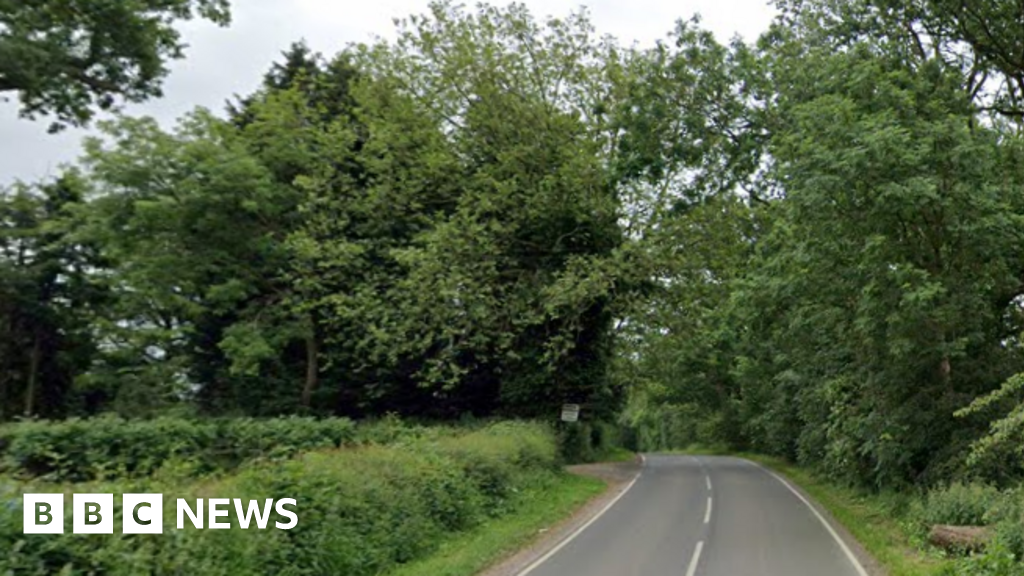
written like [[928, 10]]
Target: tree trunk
[[959, 538], [312, 366], [944, 370], [3, 391], [33, 375], [5, 374]]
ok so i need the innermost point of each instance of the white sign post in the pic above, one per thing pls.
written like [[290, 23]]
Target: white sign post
[[570, 412]]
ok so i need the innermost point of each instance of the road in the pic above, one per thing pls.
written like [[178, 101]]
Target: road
[[703, 516]]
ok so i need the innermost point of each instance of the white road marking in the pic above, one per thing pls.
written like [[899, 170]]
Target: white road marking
[[696, 559], [708, 479], [707, 513], [533, 566], [846, 549]]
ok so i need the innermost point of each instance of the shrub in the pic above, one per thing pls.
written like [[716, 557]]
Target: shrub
[[362, 510], [958, 504], [393, 430], [605, 438], [109, 447], [976, 505], [575, 443], [996, 561], [1007, 519]]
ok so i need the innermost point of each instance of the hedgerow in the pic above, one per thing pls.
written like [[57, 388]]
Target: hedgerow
[[79, 450], [362, 510]]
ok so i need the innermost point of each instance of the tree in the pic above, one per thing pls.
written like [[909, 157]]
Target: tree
[[193, 226], [287, 126], [211, 305], [982, 41], [690, 160], [877, 305], [471, 264], [47, 299], [69, 57]]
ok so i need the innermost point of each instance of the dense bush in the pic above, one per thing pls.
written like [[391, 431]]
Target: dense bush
[[362, 510], [580, 442], [978, 505], [996, 561], [958, 504], [575, 443], [109, 447]]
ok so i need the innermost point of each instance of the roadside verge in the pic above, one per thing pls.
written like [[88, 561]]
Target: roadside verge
[[544, 518], [617, 477]]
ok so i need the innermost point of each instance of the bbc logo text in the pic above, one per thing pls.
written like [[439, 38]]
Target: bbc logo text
[[144, 513]]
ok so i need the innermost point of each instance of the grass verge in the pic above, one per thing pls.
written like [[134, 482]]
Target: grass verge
[[616, 454], [470, 552], [871, 518]]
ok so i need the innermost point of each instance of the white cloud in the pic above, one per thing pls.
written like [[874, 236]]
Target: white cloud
[[224, 62]]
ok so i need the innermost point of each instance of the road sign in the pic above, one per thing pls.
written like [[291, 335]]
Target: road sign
[[570, 412]]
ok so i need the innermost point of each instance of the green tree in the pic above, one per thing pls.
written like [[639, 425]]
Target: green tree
[[69, 57], [472, 263], [690, 160], [193, 225], [47, 299], [211, 305], [878, 304]]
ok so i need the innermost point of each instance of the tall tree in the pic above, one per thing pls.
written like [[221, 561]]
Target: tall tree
[[211, 303], [878, 305], [68, 57], [194, 226], [478, 251], [47, 298]]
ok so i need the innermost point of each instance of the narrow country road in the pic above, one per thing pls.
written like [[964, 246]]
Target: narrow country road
[[703, 516]]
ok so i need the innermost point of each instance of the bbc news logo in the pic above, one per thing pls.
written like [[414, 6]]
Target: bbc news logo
[[144, 513]]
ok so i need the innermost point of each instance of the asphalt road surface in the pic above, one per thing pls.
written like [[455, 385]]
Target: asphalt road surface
[[704, 516]]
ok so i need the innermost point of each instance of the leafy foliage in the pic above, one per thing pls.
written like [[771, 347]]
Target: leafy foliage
[[81, 450], [870, 285], [362, 511], [958, 504], [48, 299], [67, 57]]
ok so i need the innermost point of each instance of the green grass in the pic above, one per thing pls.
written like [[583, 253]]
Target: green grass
[[870, 517], [616, 455], [470, 552]]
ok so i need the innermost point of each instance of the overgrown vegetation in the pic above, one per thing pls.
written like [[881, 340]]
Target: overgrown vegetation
[[362, 510], [80, 450], [471, 552], [388, 230]]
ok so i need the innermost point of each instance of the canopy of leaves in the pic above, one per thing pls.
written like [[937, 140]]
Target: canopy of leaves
[[810, 246], [68, 57]]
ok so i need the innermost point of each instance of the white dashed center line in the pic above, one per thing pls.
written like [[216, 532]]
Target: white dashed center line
[[696, 559], [707, 513]]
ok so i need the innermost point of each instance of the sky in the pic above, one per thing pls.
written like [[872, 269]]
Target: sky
[[222, 62]]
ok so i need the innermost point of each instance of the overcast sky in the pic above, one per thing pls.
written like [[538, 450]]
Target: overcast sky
[[221, 62]]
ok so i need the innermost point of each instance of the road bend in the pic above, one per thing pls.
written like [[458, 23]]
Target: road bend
[[704, 516]]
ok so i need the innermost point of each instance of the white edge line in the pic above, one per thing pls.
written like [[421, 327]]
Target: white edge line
[[696, 559], [846, 549], [707, 513], [536, 563]]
